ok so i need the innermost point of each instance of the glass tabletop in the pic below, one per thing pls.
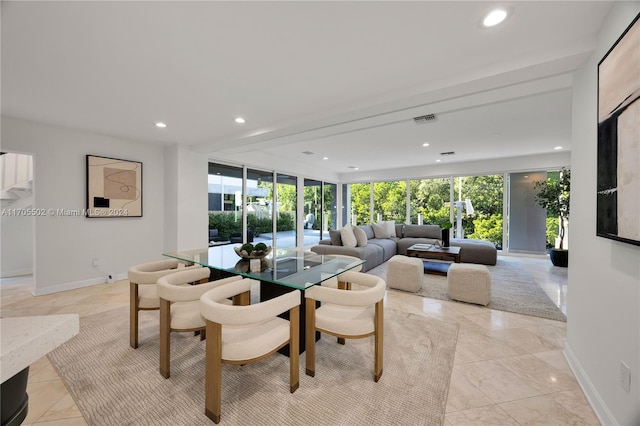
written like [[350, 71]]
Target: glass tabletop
[[292, 268]]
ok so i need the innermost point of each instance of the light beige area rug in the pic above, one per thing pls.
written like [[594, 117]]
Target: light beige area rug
[[114, 384], [512, 290]]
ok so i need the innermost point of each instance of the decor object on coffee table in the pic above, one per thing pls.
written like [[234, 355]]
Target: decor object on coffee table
[[446, 233], [553, 195], [469, 283]]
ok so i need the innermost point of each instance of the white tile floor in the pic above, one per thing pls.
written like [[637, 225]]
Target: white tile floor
[[509, 369]]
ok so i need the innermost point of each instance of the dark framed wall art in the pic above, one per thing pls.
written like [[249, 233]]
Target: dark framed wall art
[[618, 180], [114, 187]]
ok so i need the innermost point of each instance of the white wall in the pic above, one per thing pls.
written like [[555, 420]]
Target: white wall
[[65, 246], [187, 219], [603, 306], [16, 245]]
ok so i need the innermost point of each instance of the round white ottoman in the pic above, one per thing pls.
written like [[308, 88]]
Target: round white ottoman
[[405, 273], [469, 283]]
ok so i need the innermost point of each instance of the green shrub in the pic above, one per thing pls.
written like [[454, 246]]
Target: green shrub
[[227, 224], [488, 229]]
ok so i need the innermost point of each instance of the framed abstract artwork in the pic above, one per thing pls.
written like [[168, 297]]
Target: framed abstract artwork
[[114, 187], [618, 169]]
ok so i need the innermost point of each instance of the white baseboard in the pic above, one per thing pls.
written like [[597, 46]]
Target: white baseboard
[[77, 284], [16, 272], [591, 393]]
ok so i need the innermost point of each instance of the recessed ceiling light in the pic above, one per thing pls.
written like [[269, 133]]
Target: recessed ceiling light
[[437, 161], [557, 148], [161, 125], [325, 158], [425, 144], [494, 17], [239, 120]]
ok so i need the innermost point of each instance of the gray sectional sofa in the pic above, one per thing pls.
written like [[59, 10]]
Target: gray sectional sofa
[[379, 250]]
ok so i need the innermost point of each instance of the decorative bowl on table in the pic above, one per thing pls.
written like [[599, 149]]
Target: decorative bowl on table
[[249, 251]]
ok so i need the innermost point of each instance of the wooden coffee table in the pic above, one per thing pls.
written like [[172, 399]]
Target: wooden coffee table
[[432, 251]]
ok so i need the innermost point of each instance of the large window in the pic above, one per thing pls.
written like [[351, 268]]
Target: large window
[[225, 199], [360, 206], [312, 211], [430, 198], [473, 203], [481, 216], [286, 195], [390, 201], [260, 206], [330, 208]]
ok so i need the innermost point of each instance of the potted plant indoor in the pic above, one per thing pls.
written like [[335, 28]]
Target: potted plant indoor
[[553, 195]]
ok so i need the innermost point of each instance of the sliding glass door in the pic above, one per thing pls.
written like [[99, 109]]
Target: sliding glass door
[[259, 206], [286, 206], [330, 208], [225, 201], [478, 207]]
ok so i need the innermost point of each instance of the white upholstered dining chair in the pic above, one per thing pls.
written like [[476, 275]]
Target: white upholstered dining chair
[[244, 334], [351, 314], [143, 295], [179, 295]]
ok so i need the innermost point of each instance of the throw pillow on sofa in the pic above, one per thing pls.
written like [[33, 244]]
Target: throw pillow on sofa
[[381, 230], [391, 227], [348, 237], [335, 237], [361, 236]]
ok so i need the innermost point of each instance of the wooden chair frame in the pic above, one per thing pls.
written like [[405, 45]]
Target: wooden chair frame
[[213, 379], [310, 345], [242, 299]]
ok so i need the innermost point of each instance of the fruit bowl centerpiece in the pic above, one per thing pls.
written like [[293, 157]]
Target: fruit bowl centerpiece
[[249, 251]]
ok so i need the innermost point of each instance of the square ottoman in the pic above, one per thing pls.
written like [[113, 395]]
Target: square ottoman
[[469, 283], [405, 273]]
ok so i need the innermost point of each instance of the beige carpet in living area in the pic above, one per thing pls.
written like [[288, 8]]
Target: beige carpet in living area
[[512, 290], [114, 384]]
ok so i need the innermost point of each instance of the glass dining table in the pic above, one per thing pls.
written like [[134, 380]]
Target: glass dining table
[[282, 271]]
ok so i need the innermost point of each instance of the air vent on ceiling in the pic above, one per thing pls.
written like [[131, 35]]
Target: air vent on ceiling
[[308, 152], [448, 153], [424, 118]]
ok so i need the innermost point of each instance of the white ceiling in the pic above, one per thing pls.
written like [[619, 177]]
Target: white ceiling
[[339, 79]]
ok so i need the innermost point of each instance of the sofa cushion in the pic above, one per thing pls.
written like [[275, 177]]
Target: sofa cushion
[[348, 237], [381, 230], [371, 253], [388, 246], [476, 251], [423, 231], [336, 238], [361, 236], [368, 230]]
